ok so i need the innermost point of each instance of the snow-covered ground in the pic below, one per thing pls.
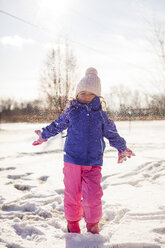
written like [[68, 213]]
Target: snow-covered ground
[[31, 191]]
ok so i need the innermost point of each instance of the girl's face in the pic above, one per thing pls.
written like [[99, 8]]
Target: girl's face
[[85, 96]]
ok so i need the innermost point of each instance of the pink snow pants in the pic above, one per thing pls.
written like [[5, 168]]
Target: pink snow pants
[[83, 192]]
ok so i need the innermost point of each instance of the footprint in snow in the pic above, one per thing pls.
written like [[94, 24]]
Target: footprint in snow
[[23, 187], [160, 230], [14, 177], [25, 230], [8, 168], [43, 179], [11, 168], [60, 191], [22, 176], [12, 245]]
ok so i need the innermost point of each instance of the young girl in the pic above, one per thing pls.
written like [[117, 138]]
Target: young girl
[[87, 125]]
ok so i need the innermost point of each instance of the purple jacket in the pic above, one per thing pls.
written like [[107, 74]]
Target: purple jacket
[[87, 125]]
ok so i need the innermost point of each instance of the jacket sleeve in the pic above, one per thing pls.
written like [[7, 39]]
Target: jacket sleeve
[[57, 126], [110, 132]]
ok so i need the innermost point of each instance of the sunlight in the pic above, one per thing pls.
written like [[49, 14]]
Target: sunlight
[[53, 10]]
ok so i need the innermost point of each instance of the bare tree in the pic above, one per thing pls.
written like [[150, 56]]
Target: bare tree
[[156, 41], [159, 44], [119, 96], [58, 78], [156, 103]]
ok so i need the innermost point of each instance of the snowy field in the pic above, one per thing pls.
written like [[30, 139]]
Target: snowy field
[[32, 191]]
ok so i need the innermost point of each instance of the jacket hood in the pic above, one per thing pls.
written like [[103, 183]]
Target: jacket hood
[[95, 104]]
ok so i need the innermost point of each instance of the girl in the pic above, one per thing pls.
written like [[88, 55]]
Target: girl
[[87, 125]]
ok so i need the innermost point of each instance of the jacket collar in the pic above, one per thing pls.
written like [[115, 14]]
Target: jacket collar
[[94, 105]]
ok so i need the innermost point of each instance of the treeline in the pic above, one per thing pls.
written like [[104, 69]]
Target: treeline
[[124, 104], [32, 111], [57, 84], [36, 111]]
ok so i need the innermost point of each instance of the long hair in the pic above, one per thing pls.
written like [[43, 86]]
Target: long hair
[[103, 103]]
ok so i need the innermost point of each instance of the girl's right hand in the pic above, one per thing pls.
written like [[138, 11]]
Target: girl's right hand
[[40, 139]]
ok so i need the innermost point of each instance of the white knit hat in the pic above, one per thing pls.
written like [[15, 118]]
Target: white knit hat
[[91, 82]]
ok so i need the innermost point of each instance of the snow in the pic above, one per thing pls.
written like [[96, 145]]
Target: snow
[[32, 191]]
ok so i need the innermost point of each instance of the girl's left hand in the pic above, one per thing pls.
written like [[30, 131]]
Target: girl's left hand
[[122, 156]]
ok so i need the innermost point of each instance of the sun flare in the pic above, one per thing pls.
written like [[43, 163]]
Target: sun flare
[[54, 8]]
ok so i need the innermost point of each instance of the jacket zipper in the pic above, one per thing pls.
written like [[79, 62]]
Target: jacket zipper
[[88, 132]]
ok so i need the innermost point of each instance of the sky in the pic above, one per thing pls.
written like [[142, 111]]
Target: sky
[[112, 36]]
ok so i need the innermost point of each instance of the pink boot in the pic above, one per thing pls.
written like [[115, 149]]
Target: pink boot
[[73, 227], [93, 228]]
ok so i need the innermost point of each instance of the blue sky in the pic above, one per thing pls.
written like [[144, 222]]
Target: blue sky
[[109, 35]]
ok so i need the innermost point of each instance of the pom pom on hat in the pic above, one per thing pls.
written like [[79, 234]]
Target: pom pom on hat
[[91, 82], [91, 70]]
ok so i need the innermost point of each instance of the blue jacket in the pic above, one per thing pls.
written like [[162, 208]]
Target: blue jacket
[[87, 125]]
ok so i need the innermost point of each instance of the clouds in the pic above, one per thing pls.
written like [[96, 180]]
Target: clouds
[[109, 35], [16, 41]]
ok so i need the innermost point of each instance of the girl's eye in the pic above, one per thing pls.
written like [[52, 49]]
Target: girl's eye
[[85, 94]]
